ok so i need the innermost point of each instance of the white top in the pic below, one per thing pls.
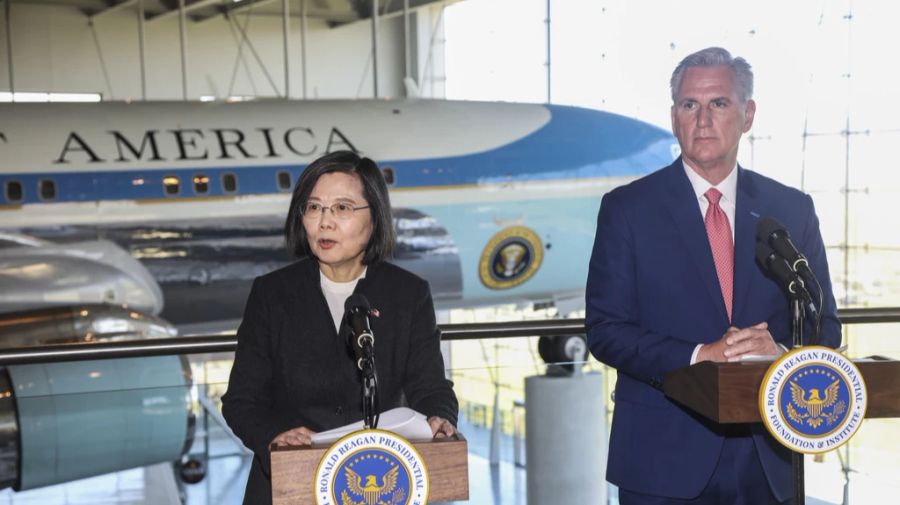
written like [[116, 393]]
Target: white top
[[336, 294], [728, 188]]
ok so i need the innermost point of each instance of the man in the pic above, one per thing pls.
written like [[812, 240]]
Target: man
[[673, 281]]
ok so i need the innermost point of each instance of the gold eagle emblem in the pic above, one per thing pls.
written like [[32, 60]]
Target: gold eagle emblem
[[815, 405], [371, 492]]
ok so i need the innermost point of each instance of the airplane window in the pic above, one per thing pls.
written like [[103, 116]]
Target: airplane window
[[47, 189], [201, 184], [284, 180], [229, 183], [171, 184], [388, 175], [13, 191]]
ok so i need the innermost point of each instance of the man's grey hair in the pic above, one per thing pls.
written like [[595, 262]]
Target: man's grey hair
[[714, 56]]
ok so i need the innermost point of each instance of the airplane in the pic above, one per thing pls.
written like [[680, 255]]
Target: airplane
[[172, 208]]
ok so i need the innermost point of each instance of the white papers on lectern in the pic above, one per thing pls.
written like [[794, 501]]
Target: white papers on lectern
[[403, 421]]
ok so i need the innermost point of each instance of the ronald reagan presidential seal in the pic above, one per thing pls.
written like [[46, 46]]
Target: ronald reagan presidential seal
[[372, 467], [813, 399]]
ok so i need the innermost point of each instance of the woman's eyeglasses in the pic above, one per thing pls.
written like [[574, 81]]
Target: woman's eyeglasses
[[340, 210]]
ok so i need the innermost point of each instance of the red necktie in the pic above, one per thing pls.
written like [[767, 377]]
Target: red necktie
[[719, 232]]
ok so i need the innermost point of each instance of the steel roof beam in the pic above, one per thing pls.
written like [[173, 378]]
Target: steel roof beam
[[113, 8], [187, 8]]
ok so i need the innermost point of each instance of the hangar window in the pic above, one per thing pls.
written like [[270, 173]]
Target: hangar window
[[201, 184], [171, 185], [284, 180], [47, 189], [13, 191], [31, 96], [229, 182], [388, 175]]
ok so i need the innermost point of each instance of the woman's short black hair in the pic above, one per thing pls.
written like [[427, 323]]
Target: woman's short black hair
[[381, 243]]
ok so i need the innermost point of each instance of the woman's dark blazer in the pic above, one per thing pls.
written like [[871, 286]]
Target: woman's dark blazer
[[291, 369]]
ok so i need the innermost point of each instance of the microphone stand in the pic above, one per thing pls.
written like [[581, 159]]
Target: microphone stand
[[369, 390], [799, 316], [798, 472]]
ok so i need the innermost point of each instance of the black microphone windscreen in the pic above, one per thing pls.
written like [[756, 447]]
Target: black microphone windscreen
[[357, 301], [777, 266], [766, 227]]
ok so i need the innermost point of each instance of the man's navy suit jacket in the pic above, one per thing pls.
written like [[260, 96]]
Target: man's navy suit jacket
[[653, 295]]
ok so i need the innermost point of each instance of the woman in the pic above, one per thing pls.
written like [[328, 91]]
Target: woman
[[293, 374]]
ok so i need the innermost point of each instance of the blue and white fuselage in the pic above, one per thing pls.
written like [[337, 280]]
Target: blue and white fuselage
[[493, 202]]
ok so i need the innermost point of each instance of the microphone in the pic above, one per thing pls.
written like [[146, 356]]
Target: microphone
[[361, 339], [777, 237], [779, 267]]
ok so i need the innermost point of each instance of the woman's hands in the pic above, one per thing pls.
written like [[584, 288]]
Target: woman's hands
[[295, 436], [440, 427]]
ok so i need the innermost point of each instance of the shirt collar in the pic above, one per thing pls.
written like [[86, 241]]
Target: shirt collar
[[728, 186]]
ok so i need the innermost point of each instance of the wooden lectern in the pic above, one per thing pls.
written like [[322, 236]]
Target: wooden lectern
[[294, 469], [729, 393]]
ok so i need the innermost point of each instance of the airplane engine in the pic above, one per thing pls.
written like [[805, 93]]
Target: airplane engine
[[67, 421], [44, 274]]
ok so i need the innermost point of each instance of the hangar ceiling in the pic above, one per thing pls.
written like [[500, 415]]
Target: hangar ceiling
[[335, 12]]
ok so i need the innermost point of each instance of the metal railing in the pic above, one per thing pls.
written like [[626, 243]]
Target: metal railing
[[199, 344]]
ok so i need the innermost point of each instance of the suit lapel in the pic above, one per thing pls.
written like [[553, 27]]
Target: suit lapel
[[308, 303], [685, 211], [746, 217]]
